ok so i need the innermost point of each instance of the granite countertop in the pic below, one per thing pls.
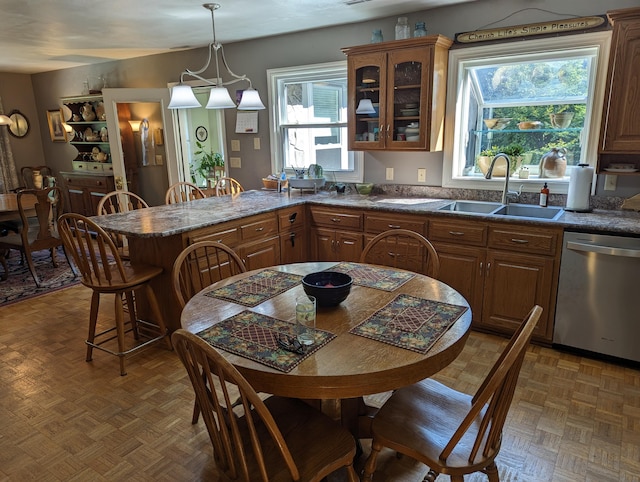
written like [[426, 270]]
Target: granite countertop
[[173, 219]]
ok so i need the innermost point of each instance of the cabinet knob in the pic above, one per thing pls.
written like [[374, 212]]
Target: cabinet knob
[[335, 220]]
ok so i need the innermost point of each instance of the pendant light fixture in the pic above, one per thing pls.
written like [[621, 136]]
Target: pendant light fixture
[[182, 96]]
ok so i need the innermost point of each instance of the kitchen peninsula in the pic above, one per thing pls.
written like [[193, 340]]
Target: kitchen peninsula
[[260, 226]]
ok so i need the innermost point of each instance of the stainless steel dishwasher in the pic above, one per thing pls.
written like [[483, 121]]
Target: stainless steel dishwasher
[[599, 295]]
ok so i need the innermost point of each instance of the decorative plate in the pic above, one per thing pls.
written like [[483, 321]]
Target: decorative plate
[[201, 133]]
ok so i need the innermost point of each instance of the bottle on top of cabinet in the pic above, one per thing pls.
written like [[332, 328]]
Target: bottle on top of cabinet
[[421, 30], [402, 28]]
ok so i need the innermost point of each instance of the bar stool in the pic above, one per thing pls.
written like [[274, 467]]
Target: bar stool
[[103, 270]]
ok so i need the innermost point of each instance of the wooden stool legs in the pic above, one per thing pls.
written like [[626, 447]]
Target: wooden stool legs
[[150, 332]]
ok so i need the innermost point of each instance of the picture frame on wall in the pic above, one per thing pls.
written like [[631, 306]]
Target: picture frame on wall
[[56, 125]]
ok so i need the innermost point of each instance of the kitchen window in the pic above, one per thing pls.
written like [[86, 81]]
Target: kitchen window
[[309, 121], [524, 98]]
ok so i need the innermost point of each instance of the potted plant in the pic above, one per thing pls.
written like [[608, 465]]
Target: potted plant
[[514, 151], [208, 161]]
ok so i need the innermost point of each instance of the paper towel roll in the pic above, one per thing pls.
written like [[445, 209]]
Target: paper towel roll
[[580, 188]]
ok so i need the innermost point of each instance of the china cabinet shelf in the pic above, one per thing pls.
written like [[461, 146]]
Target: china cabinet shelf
[[87, 143]]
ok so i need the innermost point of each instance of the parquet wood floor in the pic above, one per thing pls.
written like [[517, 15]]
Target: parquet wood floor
[[62, 419]]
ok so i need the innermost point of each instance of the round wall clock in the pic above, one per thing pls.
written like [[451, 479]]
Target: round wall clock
[[201, 133], [19, 124]]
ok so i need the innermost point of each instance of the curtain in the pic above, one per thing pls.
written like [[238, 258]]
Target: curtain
[[8, 173]]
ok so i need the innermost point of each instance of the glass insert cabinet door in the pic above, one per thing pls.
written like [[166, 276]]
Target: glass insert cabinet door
[[389, 108]]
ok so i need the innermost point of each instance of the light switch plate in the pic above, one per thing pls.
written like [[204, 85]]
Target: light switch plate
[[235, 145], [422, 174], [235, 162], [256, 143], [610, 182], [389, 174]]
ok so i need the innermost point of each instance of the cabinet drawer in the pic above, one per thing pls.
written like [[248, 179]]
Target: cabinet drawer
[[225, 234], [291, 218], [523, 239], [90, 182], [258, 227], [377, 224], [337, 219], [459, 232]]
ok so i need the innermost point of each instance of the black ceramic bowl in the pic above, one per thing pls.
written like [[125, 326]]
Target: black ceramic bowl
[[329, 287]]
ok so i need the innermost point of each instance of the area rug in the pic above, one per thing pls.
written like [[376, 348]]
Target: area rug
[[20, 285]]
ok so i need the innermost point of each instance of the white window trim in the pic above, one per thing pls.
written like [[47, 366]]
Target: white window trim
[[599, 40], [305, 73]]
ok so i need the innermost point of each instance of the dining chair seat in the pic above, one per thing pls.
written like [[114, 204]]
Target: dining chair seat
[[103, 270], [449, 431], [277, 439]]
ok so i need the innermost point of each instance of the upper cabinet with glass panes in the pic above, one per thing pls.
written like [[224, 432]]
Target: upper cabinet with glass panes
[[397, 94]]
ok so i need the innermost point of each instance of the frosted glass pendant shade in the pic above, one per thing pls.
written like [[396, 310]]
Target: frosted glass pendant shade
[[251, 100], [365, 107], [219, 98], [182, 97]]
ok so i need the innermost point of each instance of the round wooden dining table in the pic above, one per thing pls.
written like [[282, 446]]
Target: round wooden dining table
[[350, 366]]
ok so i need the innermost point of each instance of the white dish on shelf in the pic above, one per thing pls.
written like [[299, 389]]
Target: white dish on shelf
[[621, 169]]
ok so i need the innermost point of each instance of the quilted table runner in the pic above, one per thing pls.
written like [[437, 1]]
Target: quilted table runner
[[410, 322], [255, 336], [255, 289]]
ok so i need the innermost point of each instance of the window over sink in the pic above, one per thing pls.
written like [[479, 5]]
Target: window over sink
[[525, 99]]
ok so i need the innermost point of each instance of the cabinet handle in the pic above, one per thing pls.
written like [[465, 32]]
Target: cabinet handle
[[391, 254], [292, 237], [335, 220], [292, 218], [456, 233], [488, 269], [261, 228], [519, 241], [481, 267], [393, 226]]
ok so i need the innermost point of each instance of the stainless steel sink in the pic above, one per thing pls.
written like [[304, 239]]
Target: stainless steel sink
[[529, 211], [480, 207]]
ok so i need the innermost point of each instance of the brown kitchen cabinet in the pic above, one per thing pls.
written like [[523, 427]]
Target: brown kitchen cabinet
[[502, 270], [84, 190], [336, 234], [620, 135], [406, 81], [293, 238]]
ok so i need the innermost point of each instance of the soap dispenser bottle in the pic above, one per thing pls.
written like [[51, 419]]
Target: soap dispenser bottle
[[544, 195]]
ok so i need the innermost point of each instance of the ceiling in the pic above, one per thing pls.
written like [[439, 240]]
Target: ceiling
[[37, 36]]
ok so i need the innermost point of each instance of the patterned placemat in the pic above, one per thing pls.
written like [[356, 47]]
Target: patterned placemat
[[410, 322], [374, 276], [255, 289], [254, 336]]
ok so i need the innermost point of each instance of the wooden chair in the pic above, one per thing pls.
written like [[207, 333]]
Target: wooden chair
[[27, 176], [272, 440], [183, 191], [120, 202], [228, 185], [451, 432], [198, 266], [39, 232], [102, 270], [402, 248]]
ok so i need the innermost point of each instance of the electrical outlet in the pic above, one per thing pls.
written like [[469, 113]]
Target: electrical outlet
[[610, 182], [235, 162], [256, 143], [389, 174], [422, 175], [235, 145]]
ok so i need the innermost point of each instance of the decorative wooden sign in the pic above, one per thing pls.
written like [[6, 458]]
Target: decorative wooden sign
[[541, 28]]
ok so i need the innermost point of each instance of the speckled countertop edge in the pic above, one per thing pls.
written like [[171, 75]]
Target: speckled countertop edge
[[174, 219]]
